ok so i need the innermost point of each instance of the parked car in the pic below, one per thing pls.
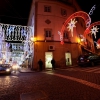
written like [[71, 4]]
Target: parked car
[[5, 69], [88, 60]]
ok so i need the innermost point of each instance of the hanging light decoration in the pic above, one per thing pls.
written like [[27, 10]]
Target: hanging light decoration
[[94, 30], [71, 25]]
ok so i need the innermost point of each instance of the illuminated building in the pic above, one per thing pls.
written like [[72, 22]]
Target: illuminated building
[[15, 44], [48, 17]]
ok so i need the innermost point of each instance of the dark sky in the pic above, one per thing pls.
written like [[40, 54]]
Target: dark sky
[[14, 11]]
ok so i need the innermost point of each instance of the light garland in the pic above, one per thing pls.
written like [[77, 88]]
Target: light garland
[[15, 32], [61, 37], [92, 9], [71, 25]]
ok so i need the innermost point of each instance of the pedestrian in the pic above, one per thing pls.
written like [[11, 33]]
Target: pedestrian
[[53, 64], [40, 62]]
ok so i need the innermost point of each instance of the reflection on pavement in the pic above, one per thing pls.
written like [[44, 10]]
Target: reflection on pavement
[[90, 84]]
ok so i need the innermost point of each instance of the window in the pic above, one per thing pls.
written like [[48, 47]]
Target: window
[[65, 35], [47, 8], [63, 12], [48, 33]]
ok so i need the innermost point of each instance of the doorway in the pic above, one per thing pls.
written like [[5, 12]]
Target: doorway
[[48, 58], [68, 58]]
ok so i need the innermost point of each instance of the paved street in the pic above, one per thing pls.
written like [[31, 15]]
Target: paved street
[[60, 84]]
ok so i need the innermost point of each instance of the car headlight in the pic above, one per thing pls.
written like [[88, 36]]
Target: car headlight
[[8, 70], [15, 67]]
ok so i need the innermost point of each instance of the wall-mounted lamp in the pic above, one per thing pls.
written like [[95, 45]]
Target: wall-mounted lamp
[[78, 40], [33, 39], [82, 40]]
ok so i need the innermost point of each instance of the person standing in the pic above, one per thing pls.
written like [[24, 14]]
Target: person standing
[[40, 62], [53, 64]]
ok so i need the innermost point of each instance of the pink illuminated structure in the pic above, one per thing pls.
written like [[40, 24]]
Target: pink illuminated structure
[[81, 14]]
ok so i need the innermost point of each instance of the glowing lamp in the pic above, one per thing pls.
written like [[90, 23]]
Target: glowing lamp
[[78, 40], [33, 39], [82, 40]]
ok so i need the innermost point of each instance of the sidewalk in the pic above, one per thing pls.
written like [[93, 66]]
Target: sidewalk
[[26, 70]]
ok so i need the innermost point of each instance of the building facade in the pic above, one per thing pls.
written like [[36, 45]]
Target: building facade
[[47, 17]]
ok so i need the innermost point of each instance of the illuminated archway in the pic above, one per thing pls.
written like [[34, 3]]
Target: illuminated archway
[[81, 14]]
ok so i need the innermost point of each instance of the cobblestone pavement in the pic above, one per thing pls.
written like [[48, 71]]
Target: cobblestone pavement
[[60, 84]]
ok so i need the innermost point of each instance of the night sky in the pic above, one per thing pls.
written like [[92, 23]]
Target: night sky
[[14, 11]]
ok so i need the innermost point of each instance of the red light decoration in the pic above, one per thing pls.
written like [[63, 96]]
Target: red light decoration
[[98, 41], [81, 14], [85, 43], [87, 31]]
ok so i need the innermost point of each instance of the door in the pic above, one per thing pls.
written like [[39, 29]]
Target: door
[[48, 58], [68, 58]]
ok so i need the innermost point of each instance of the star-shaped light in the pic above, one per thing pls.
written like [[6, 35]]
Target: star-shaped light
[[71, 25], [94, 30]]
